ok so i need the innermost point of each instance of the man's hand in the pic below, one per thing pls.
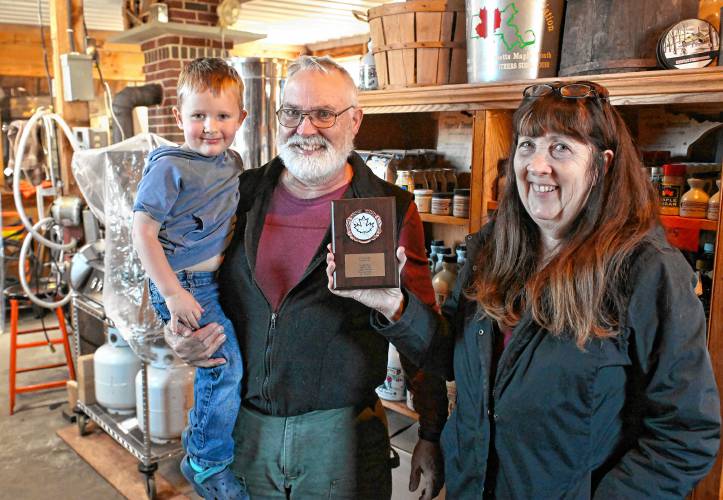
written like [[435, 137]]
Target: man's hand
[[183, 308], [427, 462], [196, 347], [388, 301]]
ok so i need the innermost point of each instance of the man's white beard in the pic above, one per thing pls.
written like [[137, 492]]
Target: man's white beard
[[316, 170]]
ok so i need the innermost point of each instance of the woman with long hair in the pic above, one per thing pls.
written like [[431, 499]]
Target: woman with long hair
[[574, 334]]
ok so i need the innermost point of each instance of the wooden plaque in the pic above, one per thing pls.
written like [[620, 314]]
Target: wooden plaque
[[364, 243]]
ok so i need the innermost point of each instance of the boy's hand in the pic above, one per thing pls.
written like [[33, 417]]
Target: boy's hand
[[183, 307]]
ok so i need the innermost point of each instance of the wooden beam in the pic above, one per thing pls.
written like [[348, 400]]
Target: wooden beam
[[257, 49], [340, 47], [711, 486], [25, 54], [479, 197], [74, 113], [339, 52]]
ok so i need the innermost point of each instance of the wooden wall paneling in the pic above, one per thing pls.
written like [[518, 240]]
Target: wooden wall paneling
[[74, 113], [121, 62], [25, 54], [497, 145], [401, 131], [452, 235]]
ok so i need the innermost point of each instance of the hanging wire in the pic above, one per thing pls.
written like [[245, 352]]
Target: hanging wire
[[45, 50], [109, 97], [36, 265]]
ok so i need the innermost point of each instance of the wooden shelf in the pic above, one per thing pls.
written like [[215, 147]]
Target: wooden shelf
[[444, 219], [146, 31], [673, 221], [704, 85], [399, 407], [669, 221]]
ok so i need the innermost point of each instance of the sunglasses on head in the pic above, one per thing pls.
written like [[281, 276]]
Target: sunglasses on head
[[578, 90]]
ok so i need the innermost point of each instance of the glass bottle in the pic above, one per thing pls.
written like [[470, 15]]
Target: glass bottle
[[443, 281], [694, 203], [671, 189], [461, 252], [420, 180], [451, 176], [434, 247], [440, 255], [714, 204], [368, 71], [431, 181], [405, 180], [441, 179]]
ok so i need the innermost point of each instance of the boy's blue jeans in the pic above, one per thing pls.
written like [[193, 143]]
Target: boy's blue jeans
[[217, 391]]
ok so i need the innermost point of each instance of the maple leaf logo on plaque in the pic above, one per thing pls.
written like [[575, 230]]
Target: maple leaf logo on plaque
[[364, 226]]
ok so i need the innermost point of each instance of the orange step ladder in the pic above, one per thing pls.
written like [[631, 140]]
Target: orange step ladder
[[15, 346]]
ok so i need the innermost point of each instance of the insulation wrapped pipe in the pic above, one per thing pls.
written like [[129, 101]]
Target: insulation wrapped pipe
[[129, 98]]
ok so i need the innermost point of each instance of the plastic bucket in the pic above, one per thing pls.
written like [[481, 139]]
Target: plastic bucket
[[513, 40]]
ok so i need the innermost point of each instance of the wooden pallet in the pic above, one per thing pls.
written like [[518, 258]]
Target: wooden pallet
[[116, 465]]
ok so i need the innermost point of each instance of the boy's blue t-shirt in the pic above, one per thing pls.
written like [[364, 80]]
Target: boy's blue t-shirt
[[194, 198]]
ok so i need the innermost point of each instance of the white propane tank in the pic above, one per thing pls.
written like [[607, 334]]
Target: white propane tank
[[170, 395], [115, 367]]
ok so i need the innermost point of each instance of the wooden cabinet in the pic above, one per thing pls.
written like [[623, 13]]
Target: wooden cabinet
[[492, 104]]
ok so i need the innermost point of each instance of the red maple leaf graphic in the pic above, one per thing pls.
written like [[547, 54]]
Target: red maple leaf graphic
[[481, 28]]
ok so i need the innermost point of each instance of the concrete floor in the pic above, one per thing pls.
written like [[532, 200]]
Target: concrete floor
[[34, 462]]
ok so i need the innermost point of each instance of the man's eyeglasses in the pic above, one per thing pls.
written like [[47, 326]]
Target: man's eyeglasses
[[578, 90], [320, 118]]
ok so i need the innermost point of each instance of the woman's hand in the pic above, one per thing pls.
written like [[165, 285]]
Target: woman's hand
[[196, 347], [184, 308], [388, 301]]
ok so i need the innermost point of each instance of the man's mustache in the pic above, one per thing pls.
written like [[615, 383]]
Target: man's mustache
[[311, 140]]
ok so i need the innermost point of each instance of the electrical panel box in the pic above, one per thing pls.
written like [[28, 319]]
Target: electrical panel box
[[77, 76]]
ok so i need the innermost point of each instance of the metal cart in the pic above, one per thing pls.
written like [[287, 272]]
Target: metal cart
[[85, 309]]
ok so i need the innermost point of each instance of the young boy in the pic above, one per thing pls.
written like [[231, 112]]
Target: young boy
[[183, 219]]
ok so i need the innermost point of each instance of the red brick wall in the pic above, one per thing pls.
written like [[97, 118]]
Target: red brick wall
[[193, 12], [165, 56]]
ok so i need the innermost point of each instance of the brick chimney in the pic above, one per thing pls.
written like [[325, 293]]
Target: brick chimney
[[165, 56]]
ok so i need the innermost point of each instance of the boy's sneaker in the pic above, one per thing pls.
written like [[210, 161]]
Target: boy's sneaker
[[220, 486]]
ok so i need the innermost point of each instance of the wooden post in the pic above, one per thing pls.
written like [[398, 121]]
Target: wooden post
[[491, 143], [76, 114], [711, 486], [479, 194]]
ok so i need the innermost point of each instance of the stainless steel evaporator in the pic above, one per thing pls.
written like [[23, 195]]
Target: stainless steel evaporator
[[263, 82]]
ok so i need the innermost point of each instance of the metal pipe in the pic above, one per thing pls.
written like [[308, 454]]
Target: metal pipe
[[129, 98]]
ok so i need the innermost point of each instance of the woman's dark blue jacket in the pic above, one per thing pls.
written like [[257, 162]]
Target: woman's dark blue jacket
[[630, 417]]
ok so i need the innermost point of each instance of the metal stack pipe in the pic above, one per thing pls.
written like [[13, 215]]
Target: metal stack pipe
[[263, 83]]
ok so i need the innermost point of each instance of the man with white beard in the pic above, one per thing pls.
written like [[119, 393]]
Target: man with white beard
[[311, 425]]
